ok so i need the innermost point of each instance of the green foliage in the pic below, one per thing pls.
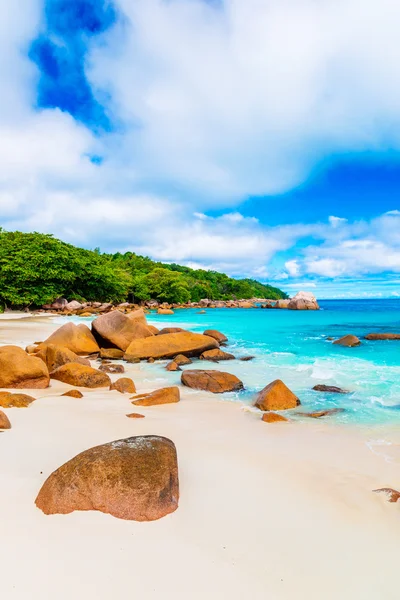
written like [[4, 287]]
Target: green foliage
[[35, 269]]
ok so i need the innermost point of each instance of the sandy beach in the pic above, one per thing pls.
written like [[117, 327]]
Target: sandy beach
[[266, 511]]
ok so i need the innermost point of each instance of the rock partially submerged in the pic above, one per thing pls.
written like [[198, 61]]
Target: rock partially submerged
[[217, 335], [81, 376], [124, 385], [169, 345], [112, 369], [216, 382], [173, 366], [276, 396], [182, 360], [4, 421], [216, 355], [330, 389], [9, 400], [318, 414], [134, 479], [77, 338], [168, 395], [19, 370], [348, 341], [383, 336]]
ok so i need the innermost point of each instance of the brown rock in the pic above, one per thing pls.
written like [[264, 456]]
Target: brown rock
[[276, 396], [134, 479], [181, 360], [135, 416], [281, 303], [73, 394], [303, 301], [165, 311], [112, 369], [272, 417], [392, 495], [149, 360], [8, 400], [81, 376], [21, 370], [119, 329], [153, 329], [246, 358], [216, 355], [166, 330], [168, 395], [77, 338], [216, 382], [4, 421], [169, 345], [349, 341], [217, 335], [173, 366], [138, 315], [57, 356], [383, 336], [318, 414], [329, 388], [111, 353], [124, 385]]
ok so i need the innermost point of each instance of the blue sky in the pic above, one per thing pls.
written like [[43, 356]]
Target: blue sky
[[257, 137]]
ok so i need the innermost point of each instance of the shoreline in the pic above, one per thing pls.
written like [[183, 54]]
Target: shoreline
[[281, 511]]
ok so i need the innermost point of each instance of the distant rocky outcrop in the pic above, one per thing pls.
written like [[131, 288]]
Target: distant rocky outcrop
[[134, 479], [20, 370], [216, 382], [276, 396], [303, 301]]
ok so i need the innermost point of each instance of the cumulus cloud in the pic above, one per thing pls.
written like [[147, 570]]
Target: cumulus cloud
[[214, 102]]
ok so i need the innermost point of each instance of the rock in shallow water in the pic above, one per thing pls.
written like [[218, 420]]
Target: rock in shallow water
[[124, 385], [329, 388], [349, 341], [216, 355], [216, 382], [383, 336], [135, 479]]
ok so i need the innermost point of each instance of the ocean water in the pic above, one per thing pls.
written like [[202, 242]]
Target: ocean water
[[293, 346]]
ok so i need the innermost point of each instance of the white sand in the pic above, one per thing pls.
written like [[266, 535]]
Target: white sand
[[267, 512]]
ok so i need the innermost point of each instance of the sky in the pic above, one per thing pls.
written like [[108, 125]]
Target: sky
[[260, 138]]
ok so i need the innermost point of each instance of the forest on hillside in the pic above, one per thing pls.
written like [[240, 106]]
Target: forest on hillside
[[37, 268]]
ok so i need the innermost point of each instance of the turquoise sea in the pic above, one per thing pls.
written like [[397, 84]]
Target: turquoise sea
[[292, 346]]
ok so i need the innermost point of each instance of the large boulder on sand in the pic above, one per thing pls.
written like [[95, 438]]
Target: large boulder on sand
[[216, 382], [169, 345], [303, 301], [81, 376], [9, 400], [348, 341], [124, 385], [21, 370], [276, 396], [4, 421], [57, 356], [119, 330], [134, 479], [77, 338], [168, 395]]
